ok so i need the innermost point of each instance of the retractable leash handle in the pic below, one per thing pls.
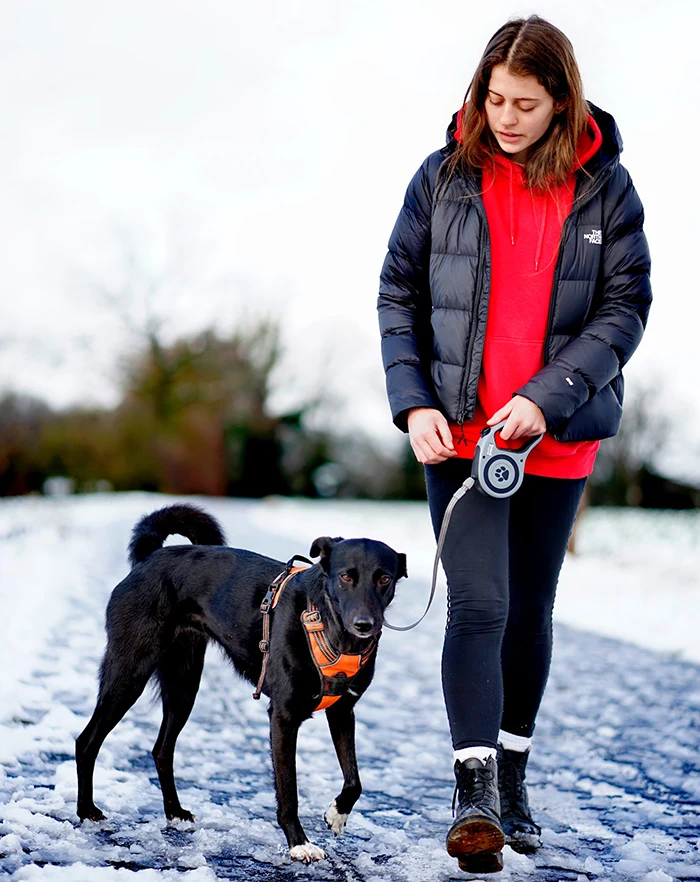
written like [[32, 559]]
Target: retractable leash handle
[[496, 472], [499, 472]]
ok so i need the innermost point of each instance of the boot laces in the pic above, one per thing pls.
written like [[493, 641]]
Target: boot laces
[[512, 781], [472, 786], [513, 797]]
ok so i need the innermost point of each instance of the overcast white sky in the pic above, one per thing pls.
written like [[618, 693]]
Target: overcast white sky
[[257, 154]]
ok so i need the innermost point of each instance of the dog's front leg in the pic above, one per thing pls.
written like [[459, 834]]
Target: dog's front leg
[[341, 722], [283, 738]]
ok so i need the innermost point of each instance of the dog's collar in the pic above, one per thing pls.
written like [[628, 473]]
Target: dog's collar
[[336, 669]]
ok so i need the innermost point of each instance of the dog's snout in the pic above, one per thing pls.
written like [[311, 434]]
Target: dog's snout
[[363, 624]]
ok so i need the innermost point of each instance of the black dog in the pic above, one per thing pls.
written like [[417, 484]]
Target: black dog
[[176, 599]]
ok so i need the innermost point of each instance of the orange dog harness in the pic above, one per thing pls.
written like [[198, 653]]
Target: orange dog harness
[[336, 669]]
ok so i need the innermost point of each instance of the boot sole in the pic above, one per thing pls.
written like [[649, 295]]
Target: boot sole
[[524, 843], [475, 836], [482, 863]]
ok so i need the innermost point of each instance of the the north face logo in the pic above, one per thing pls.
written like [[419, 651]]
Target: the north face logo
[[595, 237]]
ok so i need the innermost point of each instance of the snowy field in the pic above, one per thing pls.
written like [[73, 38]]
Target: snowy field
[[614, 772]]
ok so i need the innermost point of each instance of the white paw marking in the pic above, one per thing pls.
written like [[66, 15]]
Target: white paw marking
[[308, 853], [335, 820]]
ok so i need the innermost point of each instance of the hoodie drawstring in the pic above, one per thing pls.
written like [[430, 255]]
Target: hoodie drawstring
[[510, 193], [542, 225], [540, 238]]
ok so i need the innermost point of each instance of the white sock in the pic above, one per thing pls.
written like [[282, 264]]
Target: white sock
[[514, 742], [480, 752]]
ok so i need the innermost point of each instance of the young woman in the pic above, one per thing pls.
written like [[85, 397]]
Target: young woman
[[515, 289]]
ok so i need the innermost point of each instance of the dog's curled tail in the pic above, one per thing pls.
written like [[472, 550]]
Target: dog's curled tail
[[184, 520]]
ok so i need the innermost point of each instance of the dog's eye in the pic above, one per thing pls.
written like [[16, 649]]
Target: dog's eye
[[384, 581], [344, 577]]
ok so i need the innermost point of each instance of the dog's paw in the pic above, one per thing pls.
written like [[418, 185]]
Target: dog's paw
[[308, 853], [336, 822], [91, 813], [184, 820]]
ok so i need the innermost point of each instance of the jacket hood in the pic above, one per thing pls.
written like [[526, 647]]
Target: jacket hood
[[607, 149]]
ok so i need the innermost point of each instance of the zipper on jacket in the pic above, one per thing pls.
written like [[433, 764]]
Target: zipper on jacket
[[464, 412], [555, 286], [605, 176]]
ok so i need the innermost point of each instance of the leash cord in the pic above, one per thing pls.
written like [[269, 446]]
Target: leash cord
[[467, 485]]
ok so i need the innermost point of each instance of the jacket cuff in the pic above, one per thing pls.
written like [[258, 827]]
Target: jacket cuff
[[557, 391], [407, 388]]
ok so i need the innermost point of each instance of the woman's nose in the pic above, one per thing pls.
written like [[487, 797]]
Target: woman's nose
[[509, 116]]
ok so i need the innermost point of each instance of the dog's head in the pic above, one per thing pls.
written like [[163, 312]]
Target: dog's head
[[362, 576]]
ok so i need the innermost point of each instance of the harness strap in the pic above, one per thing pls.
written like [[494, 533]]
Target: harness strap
[[274, 592], [337, 670]]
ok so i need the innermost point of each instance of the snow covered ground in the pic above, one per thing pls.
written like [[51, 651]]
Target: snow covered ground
[[614, 777]]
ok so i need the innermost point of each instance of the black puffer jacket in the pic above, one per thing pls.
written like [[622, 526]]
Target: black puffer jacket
[[434, 297]]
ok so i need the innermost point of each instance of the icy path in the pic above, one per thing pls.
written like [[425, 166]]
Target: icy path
[[614, 776]]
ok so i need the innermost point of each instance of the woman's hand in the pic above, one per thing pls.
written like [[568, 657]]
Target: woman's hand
[[430, 435], [523, 419]]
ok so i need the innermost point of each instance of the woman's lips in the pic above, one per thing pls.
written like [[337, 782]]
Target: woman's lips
[[509, 136]]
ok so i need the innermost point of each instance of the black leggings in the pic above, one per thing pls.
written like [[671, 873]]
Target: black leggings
[[502, 559]]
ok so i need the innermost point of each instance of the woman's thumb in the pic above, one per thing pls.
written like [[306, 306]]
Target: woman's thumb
[[444, 433]]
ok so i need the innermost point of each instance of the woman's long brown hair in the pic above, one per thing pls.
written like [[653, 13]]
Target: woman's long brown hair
[[530, 46]]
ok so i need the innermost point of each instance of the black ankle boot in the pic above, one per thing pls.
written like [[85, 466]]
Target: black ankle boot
[[476, 833], [522, 833]]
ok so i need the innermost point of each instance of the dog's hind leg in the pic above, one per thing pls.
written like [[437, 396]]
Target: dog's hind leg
[[120, 687], [341, 722], [179, 673], [283, 738]]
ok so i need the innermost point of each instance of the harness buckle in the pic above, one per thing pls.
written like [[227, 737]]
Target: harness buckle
[[312, 617], [268, 599], [264, 646], [312, 621]]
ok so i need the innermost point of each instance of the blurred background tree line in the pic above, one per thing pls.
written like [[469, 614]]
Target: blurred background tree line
[[194, 417]]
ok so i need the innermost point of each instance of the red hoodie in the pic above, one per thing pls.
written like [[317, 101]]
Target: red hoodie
[[525, 231]]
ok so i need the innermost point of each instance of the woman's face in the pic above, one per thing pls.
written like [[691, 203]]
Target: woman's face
[[518, 110]]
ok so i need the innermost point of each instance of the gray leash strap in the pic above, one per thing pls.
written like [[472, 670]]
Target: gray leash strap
[[467, 485]]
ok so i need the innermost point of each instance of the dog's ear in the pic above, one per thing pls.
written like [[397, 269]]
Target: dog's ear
[[402, 572], [323, 546]]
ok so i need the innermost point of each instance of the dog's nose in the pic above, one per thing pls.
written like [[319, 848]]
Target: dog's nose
[[363, 625]]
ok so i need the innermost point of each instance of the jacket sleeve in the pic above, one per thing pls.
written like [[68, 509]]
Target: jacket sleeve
[[404, 303], [588, 362]]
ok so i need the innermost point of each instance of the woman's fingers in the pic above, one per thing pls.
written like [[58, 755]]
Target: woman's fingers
[[430, 436], [426, 455], [429, 449], [501, 414], [513, 430], [523, 419]]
